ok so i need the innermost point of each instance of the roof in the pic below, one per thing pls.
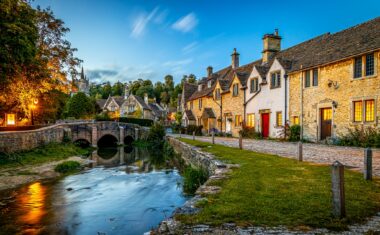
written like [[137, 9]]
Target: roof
[[189, 114], [189, 89], [328, 48], [156, 110], [141, 102], [208, 113], [101, 102], [118, 99]]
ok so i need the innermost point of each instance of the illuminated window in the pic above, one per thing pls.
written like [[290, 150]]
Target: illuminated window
[[11, 119], [279, 119], [296, 120], [327, 114], [238, 120], [358, 111], [251, 120], [369, 110]]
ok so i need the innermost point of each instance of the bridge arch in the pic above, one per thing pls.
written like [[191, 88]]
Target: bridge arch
[[128, 140], [83, 143], [108, 140]]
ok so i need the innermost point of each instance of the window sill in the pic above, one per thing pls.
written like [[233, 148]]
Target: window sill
[[365, 77], [310, 87], [363, 123], [275, 87]]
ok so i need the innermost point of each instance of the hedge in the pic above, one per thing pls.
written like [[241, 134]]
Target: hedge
[[138, 121]]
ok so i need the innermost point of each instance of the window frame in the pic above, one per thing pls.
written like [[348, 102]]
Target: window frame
[[294, 118], [315, 79], [372, 111], [365, 57], [360, 66], [209, 83], [354, 116], [254, 85], [279, 114], [307, 79], [238, 120], [364, 111], [237, 89], [217, 94], [251, 120]]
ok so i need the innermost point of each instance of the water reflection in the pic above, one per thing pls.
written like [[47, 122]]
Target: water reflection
[[127, 191]]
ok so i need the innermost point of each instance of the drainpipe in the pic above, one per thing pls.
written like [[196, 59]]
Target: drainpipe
[[301, 100], [286, 97], [244, 105], [221, 113]]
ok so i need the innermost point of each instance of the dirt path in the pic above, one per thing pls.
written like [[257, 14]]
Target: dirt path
[[14, 177]]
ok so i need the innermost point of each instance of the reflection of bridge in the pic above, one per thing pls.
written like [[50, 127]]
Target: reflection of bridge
[[91, 132]]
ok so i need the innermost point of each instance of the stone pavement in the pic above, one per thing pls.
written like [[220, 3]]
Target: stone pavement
[[351, 157]]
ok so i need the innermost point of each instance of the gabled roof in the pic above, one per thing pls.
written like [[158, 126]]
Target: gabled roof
[[118, 99], [189, 89], [101, 102], [141, 102], [208, 113], [189, 114], [156, 110]]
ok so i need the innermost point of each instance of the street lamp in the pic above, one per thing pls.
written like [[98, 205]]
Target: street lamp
[[33, 106]]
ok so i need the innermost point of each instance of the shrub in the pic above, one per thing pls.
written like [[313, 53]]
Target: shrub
[[156, 135], [361, 137], [67, 167], [138, 121], [79, 106], [295, 133], [250, 132], [103, 117], [191, 128], [193, 178]]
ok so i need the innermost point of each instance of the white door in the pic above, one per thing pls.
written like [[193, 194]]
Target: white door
[[228, 126]]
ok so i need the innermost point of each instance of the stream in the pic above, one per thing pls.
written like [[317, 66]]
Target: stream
[[125, 190]]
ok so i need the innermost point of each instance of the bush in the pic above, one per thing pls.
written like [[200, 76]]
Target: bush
[[191, 128], [295, 133], [79, 106], [138, 121], [193, 178], [251, 133], [361, 137], [67, 167], [156, 135], [103, 117]]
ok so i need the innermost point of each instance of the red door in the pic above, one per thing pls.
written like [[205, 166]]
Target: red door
[[265, 124]]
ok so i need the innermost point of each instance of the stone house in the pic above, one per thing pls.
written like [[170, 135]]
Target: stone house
[[335, 83]]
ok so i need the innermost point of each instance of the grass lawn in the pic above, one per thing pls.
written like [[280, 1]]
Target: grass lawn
[[268, 190], [47, 153]]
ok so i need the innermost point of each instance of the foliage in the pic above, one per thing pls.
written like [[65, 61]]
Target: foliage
[[103, 117], [361, 137], [193, 178], [138, 113], [268, 190], [138, 121], [67, 167], [46, 153], [191, 128], [250, 132], [295, 133], [156, 134], [80, 106], [178, 117]]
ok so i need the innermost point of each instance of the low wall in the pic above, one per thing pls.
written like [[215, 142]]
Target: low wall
[[25, 140]]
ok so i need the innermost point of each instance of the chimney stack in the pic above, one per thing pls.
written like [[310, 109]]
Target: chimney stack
[[235, 59], [209, 71], [272, 45], [146, 98]]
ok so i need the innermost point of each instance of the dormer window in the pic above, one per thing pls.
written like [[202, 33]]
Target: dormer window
[[209, 84], [254, 85], [275, 80], [217, 94], [235, 91], [199, 87]]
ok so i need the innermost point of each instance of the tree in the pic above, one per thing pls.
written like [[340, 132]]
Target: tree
[[178, 118], [107, 90], [158, 89], [118, 89], [80, 106], [169, 83]]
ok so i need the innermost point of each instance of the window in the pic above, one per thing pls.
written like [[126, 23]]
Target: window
[[238, 120], [369, 64], [251, 120], [217, 94], [254, 85], [296, 120], [358, 67], [315, 77], [369, 110], [199, 87], [199, 122], [235, 89], [307, 78], [279, 119], [358, 111], [191, 105], [275, 80], [200, 103], [209, 84]]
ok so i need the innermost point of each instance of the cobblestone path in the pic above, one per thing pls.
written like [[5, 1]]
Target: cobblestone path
[[351, 157]]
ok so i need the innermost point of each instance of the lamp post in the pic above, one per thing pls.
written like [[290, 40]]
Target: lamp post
[[33, 106]]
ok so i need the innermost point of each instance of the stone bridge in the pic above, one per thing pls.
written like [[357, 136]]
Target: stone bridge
[[93, 133]]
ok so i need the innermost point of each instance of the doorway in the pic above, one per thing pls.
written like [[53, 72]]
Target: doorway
[[326, 117], [265, 124]]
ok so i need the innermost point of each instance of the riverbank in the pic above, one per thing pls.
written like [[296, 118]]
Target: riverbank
[[37, 164], [268, 194]]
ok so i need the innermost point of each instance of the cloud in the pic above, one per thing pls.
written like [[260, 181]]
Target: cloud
[[190, 47], [142, 21], [122, 74], [186, 23]]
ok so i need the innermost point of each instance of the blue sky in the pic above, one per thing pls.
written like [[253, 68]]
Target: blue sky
[[129, 39]]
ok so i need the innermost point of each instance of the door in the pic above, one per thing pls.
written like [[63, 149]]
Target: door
[[326, 115], [265, 124], [228, 126]]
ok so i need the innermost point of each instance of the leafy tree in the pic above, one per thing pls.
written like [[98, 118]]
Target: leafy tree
[[80, 106], [158, 89], [169, 83], [178, 118], [107, 90], [118, 89]]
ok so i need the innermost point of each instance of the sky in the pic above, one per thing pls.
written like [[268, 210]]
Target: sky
[[124, 40]]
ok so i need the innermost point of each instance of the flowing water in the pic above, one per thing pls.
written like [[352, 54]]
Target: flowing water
[[126, 191]]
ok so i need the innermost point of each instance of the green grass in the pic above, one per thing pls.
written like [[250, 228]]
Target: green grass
[[47, 153], [268, 190], [67, 167]]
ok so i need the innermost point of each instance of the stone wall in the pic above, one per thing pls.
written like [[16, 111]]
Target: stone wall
[[337, 86]]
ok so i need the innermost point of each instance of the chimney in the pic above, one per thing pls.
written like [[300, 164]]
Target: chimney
[[126, 91], [235, 59], [146, 98], [272, 45], [209, 71]]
